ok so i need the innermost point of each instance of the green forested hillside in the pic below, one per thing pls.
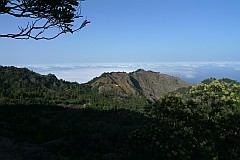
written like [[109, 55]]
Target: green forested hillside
[[22, 86]]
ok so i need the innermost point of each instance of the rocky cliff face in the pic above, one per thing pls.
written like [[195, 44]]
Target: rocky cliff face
[[151, 85]]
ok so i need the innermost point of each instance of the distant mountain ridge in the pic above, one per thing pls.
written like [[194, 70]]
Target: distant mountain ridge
[[151, 85], [110, 90]]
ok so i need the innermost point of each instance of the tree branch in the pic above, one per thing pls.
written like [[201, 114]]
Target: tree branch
[[47, 16]]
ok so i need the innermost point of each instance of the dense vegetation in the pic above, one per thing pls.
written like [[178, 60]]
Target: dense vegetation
[[25, 87], [199, 122], [83, 134], [22, 86]]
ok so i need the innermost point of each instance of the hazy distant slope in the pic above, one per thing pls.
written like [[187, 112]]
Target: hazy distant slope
[[151, 85]]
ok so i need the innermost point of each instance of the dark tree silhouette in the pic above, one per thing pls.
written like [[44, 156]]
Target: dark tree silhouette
[[56, 16]]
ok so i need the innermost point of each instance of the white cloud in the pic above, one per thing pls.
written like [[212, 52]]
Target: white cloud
[[84, 72]]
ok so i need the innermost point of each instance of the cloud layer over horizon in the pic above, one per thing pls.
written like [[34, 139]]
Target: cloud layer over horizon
[[193, 72]]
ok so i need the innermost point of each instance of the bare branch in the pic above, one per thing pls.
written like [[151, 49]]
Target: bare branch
[[47, 16]]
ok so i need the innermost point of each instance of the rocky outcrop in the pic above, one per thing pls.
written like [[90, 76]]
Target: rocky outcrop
[[151, 85]]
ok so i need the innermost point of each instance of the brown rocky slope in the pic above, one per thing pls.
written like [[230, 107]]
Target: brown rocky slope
[[149, 84]]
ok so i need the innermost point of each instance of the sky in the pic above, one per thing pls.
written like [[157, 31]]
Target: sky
[[137, 31]]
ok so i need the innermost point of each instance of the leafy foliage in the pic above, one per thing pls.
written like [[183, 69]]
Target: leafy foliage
[[46, 15], [216, 93], [202, 126]]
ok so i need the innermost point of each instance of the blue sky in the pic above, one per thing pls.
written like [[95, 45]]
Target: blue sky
[[137, 31]]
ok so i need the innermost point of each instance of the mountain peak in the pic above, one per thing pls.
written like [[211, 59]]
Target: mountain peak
[[149, 84], [140, 70]]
